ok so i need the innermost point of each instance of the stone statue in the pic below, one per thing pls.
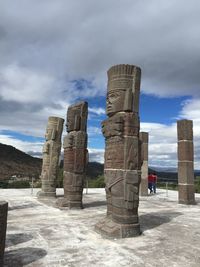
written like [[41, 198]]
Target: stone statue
[[75, 156], [51, 154], [122, 169]]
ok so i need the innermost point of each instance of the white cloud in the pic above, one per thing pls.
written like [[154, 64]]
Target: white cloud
[[24, 86], [94, 131], [68, 40], [163, 138], [96, 155], [46, 45], [98, 111]]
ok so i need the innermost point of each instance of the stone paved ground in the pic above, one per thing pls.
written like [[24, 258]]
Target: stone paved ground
[[39, 234]]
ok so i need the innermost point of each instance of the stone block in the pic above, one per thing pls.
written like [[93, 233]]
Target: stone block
[[185, 151], [77, 117], [114, 155], [110, 229], [144, 137], [186, 172], [186, 194], [131, 153], [185, 129], [144, 179], [3, 226]]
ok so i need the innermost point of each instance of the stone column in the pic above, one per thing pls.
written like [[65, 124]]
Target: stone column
[[75, 156], [122, 168], [51, 153], [144, 137], [3, 226], [185, 162]]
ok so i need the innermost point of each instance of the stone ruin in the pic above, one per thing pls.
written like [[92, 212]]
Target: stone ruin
[[126, 155], [75, 156], [51, 154], [122, 167], [144, 138], [185, 162], [3, 226]]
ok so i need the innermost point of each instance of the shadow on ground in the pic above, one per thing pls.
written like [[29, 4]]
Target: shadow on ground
[[23, 256], [94, 204], [14, 239], [152, 220], [26, 206]]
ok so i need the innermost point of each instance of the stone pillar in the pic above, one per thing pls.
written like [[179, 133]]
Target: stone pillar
[[122, 168], [3, 226], [51, 154], [185, 162], [75, 156], [144, 137]]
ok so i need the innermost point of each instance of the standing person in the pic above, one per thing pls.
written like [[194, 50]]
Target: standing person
[[150, 182], [154, 182]]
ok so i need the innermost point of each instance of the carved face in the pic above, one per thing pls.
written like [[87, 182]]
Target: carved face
[[73, 120], [70, 120], [115, 101], [48, 134]]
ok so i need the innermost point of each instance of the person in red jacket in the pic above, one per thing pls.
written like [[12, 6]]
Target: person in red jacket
[[151, 182]]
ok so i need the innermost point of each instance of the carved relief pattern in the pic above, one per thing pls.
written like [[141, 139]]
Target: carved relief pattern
[[122, 167], [51, 153], [75, 155]]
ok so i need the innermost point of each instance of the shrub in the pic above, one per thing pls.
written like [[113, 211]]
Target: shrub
[[97, 183], [19, 184]]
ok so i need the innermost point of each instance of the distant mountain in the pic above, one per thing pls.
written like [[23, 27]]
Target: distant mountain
[[16, 162], [94, 169], [164, 169]]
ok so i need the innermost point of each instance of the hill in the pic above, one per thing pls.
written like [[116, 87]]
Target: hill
[[16, 162], [94, 169]]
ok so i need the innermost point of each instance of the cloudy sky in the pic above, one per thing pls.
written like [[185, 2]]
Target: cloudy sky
[[54, 53]]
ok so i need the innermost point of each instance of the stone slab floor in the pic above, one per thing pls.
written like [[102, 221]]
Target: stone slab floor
[[39, 234]]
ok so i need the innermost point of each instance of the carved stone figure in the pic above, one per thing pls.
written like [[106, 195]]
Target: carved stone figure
[[51, 154], [75, 156], [122, 169], [144, 154], [185, 162], [3, 226]]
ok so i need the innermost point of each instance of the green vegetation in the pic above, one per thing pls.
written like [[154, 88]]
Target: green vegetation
[[170, 186], [197, 184], [97, 183], [14, 184], [59, 183]]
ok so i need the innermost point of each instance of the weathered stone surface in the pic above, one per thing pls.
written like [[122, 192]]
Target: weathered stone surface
[[186, 194], [144, 138], [185, 162], [122, 153], [77, 117], [75, 156], [3, 226], [186, 172], [185, 130], [51, 153], [185, 150]]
